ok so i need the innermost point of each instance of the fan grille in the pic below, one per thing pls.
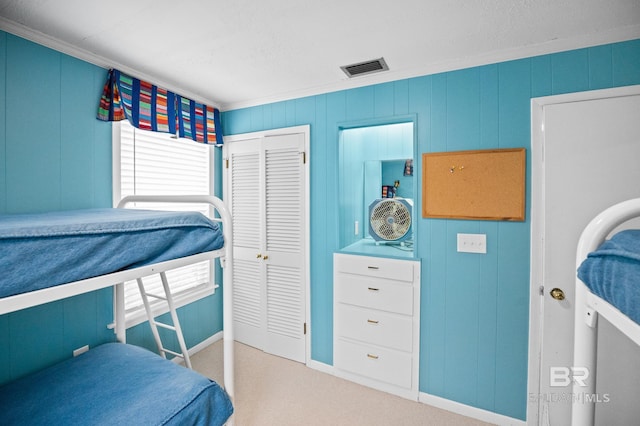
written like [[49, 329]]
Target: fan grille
[[390, 220]]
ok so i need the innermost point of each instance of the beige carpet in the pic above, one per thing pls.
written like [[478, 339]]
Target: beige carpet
[[273, 391]]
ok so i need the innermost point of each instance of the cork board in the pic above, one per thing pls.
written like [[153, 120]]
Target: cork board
[[485, 185]]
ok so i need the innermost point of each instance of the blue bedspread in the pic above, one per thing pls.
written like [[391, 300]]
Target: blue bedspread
[[114, 384], [48, 249], [612, 272]]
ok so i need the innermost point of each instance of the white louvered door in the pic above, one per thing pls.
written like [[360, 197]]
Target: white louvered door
[[266, 191], [284, 244], [245, 197]]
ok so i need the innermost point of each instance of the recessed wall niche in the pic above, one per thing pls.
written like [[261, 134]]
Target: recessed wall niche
[[374, 161]]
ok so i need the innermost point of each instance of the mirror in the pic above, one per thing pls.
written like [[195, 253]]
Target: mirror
[[375, 162]]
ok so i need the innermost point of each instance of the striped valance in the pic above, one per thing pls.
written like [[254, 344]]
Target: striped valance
[[149, 107]]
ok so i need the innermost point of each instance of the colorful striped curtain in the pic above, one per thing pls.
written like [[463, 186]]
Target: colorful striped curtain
[[149, 107], [198, 121]]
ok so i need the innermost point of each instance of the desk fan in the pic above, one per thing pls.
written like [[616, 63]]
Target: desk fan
[[390, 219]]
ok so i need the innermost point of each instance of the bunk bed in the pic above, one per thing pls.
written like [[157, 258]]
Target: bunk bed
[[114, 383], [607, 285]]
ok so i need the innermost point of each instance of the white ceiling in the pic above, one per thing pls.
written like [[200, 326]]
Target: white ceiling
[[238, 53]]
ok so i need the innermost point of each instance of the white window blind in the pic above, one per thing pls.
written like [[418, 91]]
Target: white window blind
[[152, 163]]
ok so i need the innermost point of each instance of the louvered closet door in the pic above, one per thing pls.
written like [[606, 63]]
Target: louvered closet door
[[266, 185], [245, 184], [285, 245]]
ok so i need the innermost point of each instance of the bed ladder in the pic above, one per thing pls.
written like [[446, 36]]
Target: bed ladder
[[184, 354]]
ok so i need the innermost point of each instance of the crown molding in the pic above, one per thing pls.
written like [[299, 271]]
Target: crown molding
[[84, 55], [552, 46], [627, 33]]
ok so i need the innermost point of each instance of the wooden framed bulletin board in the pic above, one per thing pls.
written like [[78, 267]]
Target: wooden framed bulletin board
[[479, 185]]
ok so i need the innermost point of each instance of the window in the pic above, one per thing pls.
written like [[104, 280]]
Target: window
[[152, 163]]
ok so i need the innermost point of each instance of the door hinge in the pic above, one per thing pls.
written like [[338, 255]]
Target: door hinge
[[304, 157], [304, 328], [226, 161], [541, 290]]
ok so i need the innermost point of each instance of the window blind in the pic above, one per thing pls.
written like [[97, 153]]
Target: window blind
[[154, 163]]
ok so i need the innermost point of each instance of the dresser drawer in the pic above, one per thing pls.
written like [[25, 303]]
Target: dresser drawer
[[374, 293], [376, 327], [379, 267], [385, 365]]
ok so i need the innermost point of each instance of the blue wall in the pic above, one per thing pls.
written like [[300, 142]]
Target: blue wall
[[55, 155], [474, 307]]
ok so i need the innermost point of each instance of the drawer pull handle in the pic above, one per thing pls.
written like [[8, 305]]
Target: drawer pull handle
[[370, 321], [371, 356], [373, 289], [373, 267]]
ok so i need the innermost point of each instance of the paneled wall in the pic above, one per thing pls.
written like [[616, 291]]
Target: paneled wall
[[474, 307], [55, 155]]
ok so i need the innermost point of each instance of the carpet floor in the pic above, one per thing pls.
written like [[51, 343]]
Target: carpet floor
[[273, 391]]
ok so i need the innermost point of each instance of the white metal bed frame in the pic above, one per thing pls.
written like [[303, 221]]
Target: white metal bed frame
[[117, 279], [589, 306]]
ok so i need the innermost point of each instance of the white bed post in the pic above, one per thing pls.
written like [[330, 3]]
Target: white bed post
[[585, 331], [118, 305], [227, 294], [584, 356]]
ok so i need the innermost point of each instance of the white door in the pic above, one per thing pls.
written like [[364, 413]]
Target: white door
[[266, 188], [243, 195], [585, 158]]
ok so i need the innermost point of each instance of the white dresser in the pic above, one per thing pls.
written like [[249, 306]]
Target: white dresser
[[376, 322]]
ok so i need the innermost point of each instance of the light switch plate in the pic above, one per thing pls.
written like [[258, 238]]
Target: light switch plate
[[472, 243]]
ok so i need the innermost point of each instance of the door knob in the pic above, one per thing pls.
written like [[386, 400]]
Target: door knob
[[557, 294]]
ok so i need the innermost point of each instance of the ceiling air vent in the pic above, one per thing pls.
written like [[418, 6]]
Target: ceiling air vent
[[362, 68]]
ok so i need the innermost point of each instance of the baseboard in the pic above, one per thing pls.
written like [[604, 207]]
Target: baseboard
[[200, 346], [469, 411], [443, 403], [321, 366], [206, 342]]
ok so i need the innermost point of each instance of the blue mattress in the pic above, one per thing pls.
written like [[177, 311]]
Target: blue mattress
[[49, 249], [612, 272], [114, 384]]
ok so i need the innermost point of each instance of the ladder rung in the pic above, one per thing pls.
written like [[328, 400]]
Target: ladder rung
[[173, 353], [167, 326], [155, 296], [155, 324]]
